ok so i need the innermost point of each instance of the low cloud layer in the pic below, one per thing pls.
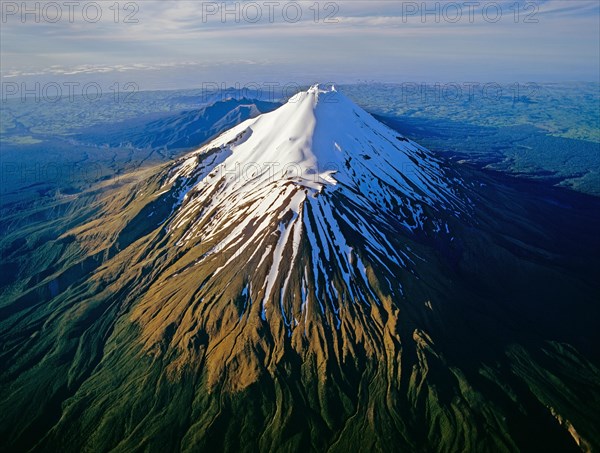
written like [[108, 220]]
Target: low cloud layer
[[304, 41]]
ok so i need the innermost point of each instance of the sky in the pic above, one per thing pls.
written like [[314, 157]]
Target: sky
[[185, 44]]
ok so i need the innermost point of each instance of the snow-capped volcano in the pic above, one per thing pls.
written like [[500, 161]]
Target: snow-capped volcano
[[310, 280], [307, 197], [319, 137]]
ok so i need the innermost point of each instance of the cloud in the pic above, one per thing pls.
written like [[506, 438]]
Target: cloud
[[370, 38]]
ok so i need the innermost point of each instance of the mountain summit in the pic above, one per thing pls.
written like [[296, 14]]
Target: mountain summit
[[310, 280], [296, 217], [318, 133]]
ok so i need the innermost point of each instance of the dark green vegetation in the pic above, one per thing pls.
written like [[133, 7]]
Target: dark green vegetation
[[523, 151], [494, 349], [70, 145]]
